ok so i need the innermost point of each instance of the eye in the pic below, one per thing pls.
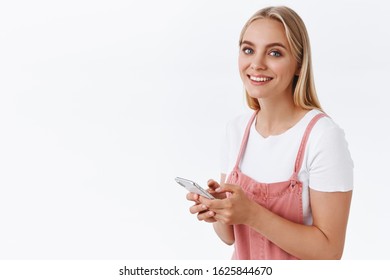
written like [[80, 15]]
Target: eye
[[275, 53], [247, 50]]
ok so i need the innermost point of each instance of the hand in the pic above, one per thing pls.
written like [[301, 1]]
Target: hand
[[213, 185], [200, 209], [235, 209]]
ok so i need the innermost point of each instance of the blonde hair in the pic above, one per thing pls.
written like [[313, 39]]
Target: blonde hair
[[304, 92]]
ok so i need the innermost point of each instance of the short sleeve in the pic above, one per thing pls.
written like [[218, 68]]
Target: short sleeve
[[330, 162]]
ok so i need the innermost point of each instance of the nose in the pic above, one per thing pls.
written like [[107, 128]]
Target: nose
[[258, 62]]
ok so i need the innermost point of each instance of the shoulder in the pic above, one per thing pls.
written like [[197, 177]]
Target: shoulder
[[326, 130], [237, 124], [235, 129], [329, 161]]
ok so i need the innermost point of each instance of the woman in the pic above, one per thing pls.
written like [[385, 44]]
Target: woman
[[290, 185]]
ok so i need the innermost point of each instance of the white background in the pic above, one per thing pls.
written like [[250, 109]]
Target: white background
[[103, 103]]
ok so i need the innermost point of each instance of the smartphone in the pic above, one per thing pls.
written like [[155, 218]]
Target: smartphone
[[193, 187]]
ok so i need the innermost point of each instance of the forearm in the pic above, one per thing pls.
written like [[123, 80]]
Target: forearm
[[225, 232], [302, 241]]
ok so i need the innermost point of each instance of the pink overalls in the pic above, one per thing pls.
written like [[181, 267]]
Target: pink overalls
[[282, 198]]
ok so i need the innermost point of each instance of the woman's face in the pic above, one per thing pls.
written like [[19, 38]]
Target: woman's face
[[267, 66]]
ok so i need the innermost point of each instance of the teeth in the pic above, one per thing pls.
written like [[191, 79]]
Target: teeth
[[260, 79]]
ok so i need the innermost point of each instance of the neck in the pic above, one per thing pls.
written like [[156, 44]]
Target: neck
[[275, 117]]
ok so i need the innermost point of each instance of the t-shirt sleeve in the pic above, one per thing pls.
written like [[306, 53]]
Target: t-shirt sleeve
[[330, 162]]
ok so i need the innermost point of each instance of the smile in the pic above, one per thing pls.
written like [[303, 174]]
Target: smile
[[259, 79]]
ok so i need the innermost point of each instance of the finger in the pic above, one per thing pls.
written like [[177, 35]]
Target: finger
[[192, 197], [228, 188], [203, 216], [213, 203], [212, 184], [221, 218], [210, 220], [218, 195], [198, 208], [206, 201]]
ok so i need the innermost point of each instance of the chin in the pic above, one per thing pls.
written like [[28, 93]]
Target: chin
[[257, 95]]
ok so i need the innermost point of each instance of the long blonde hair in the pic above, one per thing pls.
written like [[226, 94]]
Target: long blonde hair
[[304, 92]]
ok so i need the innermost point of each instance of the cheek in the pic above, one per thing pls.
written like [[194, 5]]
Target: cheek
[[241, 67], [285, 69], [243, 62]]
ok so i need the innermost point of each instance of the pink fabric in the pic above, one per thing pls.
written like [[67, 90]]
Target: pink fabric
[[282, 198]]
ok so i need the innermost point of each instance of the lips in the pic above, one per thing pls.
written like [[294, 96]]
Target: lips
[[259, 78]]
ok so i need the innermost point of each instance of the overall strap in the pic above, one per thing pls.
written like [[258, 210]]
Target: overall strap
[[245, 140], [302, 148]]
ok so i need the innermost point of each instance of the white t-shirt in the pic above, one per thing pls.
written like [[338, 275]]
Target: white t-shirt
[[327, 164]]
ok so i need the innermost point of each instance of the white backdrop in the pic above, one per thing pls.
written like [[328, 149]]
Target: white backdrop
[[103, 103]]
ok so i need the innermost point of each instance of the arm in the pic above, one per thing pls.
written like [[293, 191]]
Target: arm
[[224, 231], [330, 164], [322, 240]]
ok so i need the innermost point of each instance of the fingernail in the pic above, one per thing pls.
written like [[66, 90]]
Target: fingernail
[[218, 189], [204, 206]]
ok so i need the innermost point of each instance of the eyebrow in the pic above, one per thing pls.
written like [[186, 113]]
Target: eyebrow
[[276, 44]]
